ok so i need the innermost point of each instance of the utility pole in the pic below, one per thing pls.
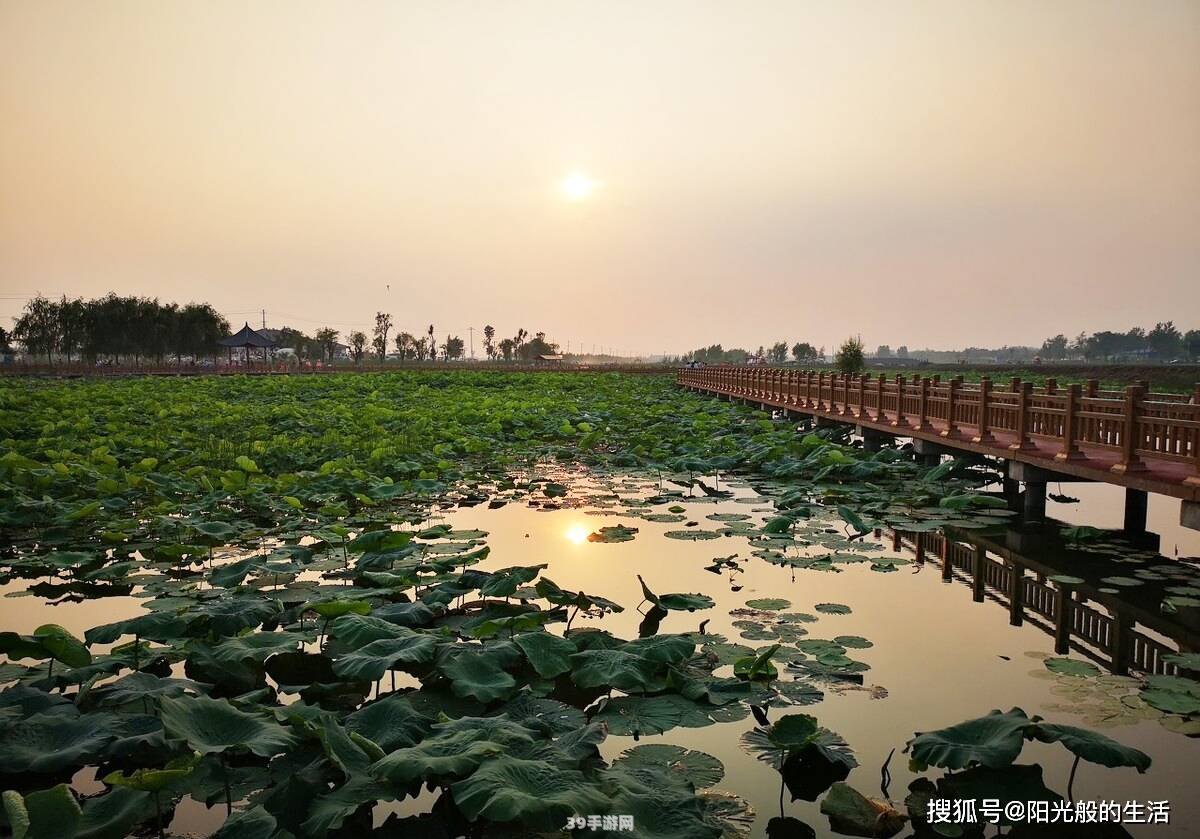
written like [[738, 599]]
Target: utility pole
[[264, 314], [471, 329]]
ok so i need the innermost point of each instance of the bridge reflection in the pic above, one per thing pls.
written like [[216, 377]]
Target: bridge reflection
[[1120, 632]]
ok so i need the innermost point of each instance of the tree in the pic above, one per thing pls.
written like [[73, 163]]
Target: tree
[[1191, 342], [506, 348], [538, 346], [453, 348], [849, 358], [902, 351], [383, 323], [432, 348], [5, 341], [778, 352], [883, 351], [1165, 340], [489, 341], [519, 341], [72, 326], [406, 345], [803, 351], [326, 338], [358, 345], [37, 328], [1055, 348]]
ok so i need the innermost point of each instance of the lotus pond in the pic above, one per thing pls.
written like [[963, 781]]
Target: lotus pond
[[456, 604]]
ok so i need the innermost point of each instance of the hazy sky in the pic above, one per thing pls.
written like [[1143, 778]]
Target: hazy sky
[[926, 173]]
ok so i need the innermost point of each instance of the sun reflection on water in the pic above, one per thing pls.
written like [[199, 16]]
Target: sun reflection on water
[[577, 534]]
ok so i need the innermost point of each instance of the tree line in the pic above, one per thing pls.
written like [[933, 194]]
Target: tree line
[[409, 347], [777, 353], [115, 328], [1165, 342]]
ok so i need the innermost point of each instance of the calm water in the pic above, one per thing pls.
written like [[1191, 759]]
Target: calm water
[[938, 657]]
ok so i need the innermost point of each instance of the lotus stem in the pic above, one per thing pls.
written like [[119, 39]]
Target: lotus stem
[[158, 816], [1071, 780], [782, 781], [225, 780]]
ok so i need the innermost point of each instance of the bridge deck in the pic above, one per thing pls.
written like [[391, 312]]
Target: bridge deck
[[1134, 439]]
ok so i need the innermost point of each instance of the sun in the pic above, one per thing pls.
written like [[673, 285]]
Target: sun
[[577, 534], [577, 186]]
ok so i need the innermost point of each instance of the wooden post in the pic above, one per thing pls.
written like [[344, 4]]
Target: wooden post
[[862, 395], [984, 434], [1051, 386], [1016, 594], [947, 567], [879, 383], [820, 391], [1070, 445], [1091, 387], [1131, 434], [846, 412], [899, 420], [923, 407], [951, 430], [1024, 409], [1063, 607], [1014, 384], [977, 579]]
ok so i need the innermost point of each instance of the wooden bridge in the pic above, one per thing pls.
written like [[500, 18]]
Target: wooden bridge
[[1135, 438]]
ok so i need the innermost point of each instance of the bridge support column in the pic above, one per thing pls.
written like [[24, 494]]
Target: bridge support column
[[1033, 502], [1189, 514], [872, 440], [1016, 595], [1122, 643], [1064, 604], [977, 586], [1135, 511]]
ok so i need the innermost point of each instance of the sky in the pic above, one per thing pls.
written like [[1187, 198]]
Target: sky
[[935, 174]]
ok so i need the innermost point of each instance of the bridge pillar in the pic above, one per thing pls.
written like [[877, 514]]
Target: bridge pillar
[[1122, 643], [977, 580], [1189, 514], [1064, 604], [1016, 594], [872, 439], [1135, 511], [1033, 502], [1012, 492]]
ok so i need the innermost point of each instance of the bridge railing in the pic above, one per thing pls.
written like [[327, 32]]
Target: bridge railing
[[1134, 423]]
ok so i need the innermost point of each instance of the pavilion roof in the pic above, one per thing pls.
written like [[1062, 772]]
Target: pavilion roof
[[246, 337]]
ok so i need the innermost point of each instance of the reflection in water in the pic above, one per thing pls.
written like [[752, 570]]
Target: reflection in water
[[577, 534], [1057, 586]]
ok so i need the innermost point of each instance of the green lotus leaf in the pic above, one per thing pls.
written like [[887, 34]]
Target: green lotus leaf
[[532, 793], [548, 654], [619, 668], [1171, 702], [391, 722], [154, 780], [662, 649], [994, 740], [251, 823], [115, 814], [62, 645], [1092, 746], [155, 626], [47, 814], [536, 712], [832, 608], [372, 661], [642, 715], [55, 740], [1071, 667], [758, 666], [477, 675], [613, 534], [449, 755], [692, 535], [771, 604], [699, 769], [662, 804], [676, 602], [213, 726]]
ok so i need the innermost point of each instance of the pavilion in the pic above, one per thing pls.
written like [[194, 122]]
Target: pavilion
[[247, 339]]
